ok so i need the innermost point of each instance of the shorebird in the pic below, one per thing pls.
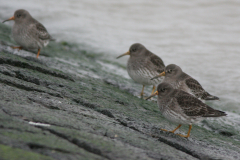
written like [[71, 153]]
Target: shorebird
[[181, 107], [142, 65], [180, 80], [28, 32]]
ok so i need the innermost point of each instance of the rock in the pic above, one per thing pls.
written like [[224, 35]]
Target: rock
[[66, 106]]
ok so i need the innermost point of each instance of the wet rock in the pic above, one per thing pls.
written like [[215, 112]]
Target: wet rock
[[65, 106]]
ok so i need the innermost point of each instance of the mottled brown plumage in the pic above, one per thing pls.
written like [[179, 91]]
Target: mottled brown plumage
[[157, 62], [142, 65], [180, 80], [28, 32], [181, 107], [191, 106], [42, 32]]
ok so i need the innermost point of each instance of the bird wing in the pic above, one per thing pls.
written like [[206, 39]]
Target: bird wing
[[196, 88], [157, 62], [42, 32], [192, 106]]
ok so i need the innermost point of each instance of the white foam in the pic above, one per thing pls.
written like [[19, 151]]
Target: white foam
[[201, 36], [39, 124]]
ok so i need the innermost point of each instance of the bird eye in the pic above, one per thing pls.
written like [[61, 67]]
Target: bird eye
[[18, 15], [134, 50], [169, 71], [163, 89]]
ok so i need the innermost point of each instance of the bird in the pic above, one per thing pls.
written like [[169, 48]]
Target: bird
[[181, 107], [180, 80], [142, 65], [28, 32]]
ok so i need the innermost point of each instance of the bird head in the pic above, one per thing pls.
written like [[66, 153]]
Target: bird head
[[134, 50], [172, 70], [19, 16], [163, 89]]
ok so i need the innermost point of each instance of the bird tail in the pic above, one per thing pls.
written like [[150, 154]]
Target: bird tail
[[51, 38], [207, 96], [211, 97], [214, 113]]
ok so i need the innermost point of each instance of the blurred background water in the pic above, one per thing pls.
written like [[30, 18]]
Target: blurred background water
[[201, 36]]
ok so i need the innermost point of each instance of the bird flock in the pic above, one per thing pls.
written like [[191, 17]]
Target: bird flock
[[181, 98]]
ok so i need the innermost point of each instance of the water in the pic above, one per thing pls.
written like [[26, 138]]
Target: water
[[202, 36]]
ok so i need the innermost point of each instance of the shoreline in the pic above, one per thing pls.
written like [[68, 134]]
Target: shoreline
[[66, 105]]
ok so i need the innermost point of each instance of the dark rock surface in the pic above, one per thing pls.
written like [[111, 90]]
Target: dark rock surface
[[67, 105]]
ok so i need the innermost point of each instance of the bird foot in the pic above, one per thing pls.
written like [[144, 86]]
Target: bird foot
[[141, 95], [185, 136], [19, 48], [167, 130], [148, 98]]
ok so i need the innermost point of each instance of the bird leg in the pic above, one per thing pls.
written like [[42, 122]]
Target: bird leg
[[186, 136], [142, 91], [38, 52], [152, 93], [153, 89], [19, 48], [172, 130]]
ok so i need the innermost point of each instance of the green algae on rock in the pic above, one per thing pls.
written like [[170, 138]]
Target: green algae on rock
[[90, 112]]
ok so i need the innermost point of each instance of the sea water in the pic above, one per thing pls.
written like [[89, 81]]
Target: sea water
[[201, 36]]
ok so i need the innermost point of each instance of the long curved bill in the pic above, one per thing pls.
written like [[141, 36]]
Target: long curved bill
[[154, 94], [12, 18], [127, 53], [162, 74]]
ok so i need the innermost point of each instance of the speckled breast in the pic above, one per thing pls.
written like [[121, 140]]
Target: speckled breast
[[141, 73], [26, 39]]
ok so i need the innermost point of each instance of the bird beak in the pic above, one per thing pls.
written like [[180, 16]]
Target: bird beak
[[12, 18], [154, 94], [127, 53], [162, 74]]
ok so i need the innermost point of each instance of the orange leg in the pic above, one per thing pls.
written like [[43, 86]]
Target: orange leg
[[142, 91], [38, 52], [19, 48], [153, 89], [186, 136], [172, 130]]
